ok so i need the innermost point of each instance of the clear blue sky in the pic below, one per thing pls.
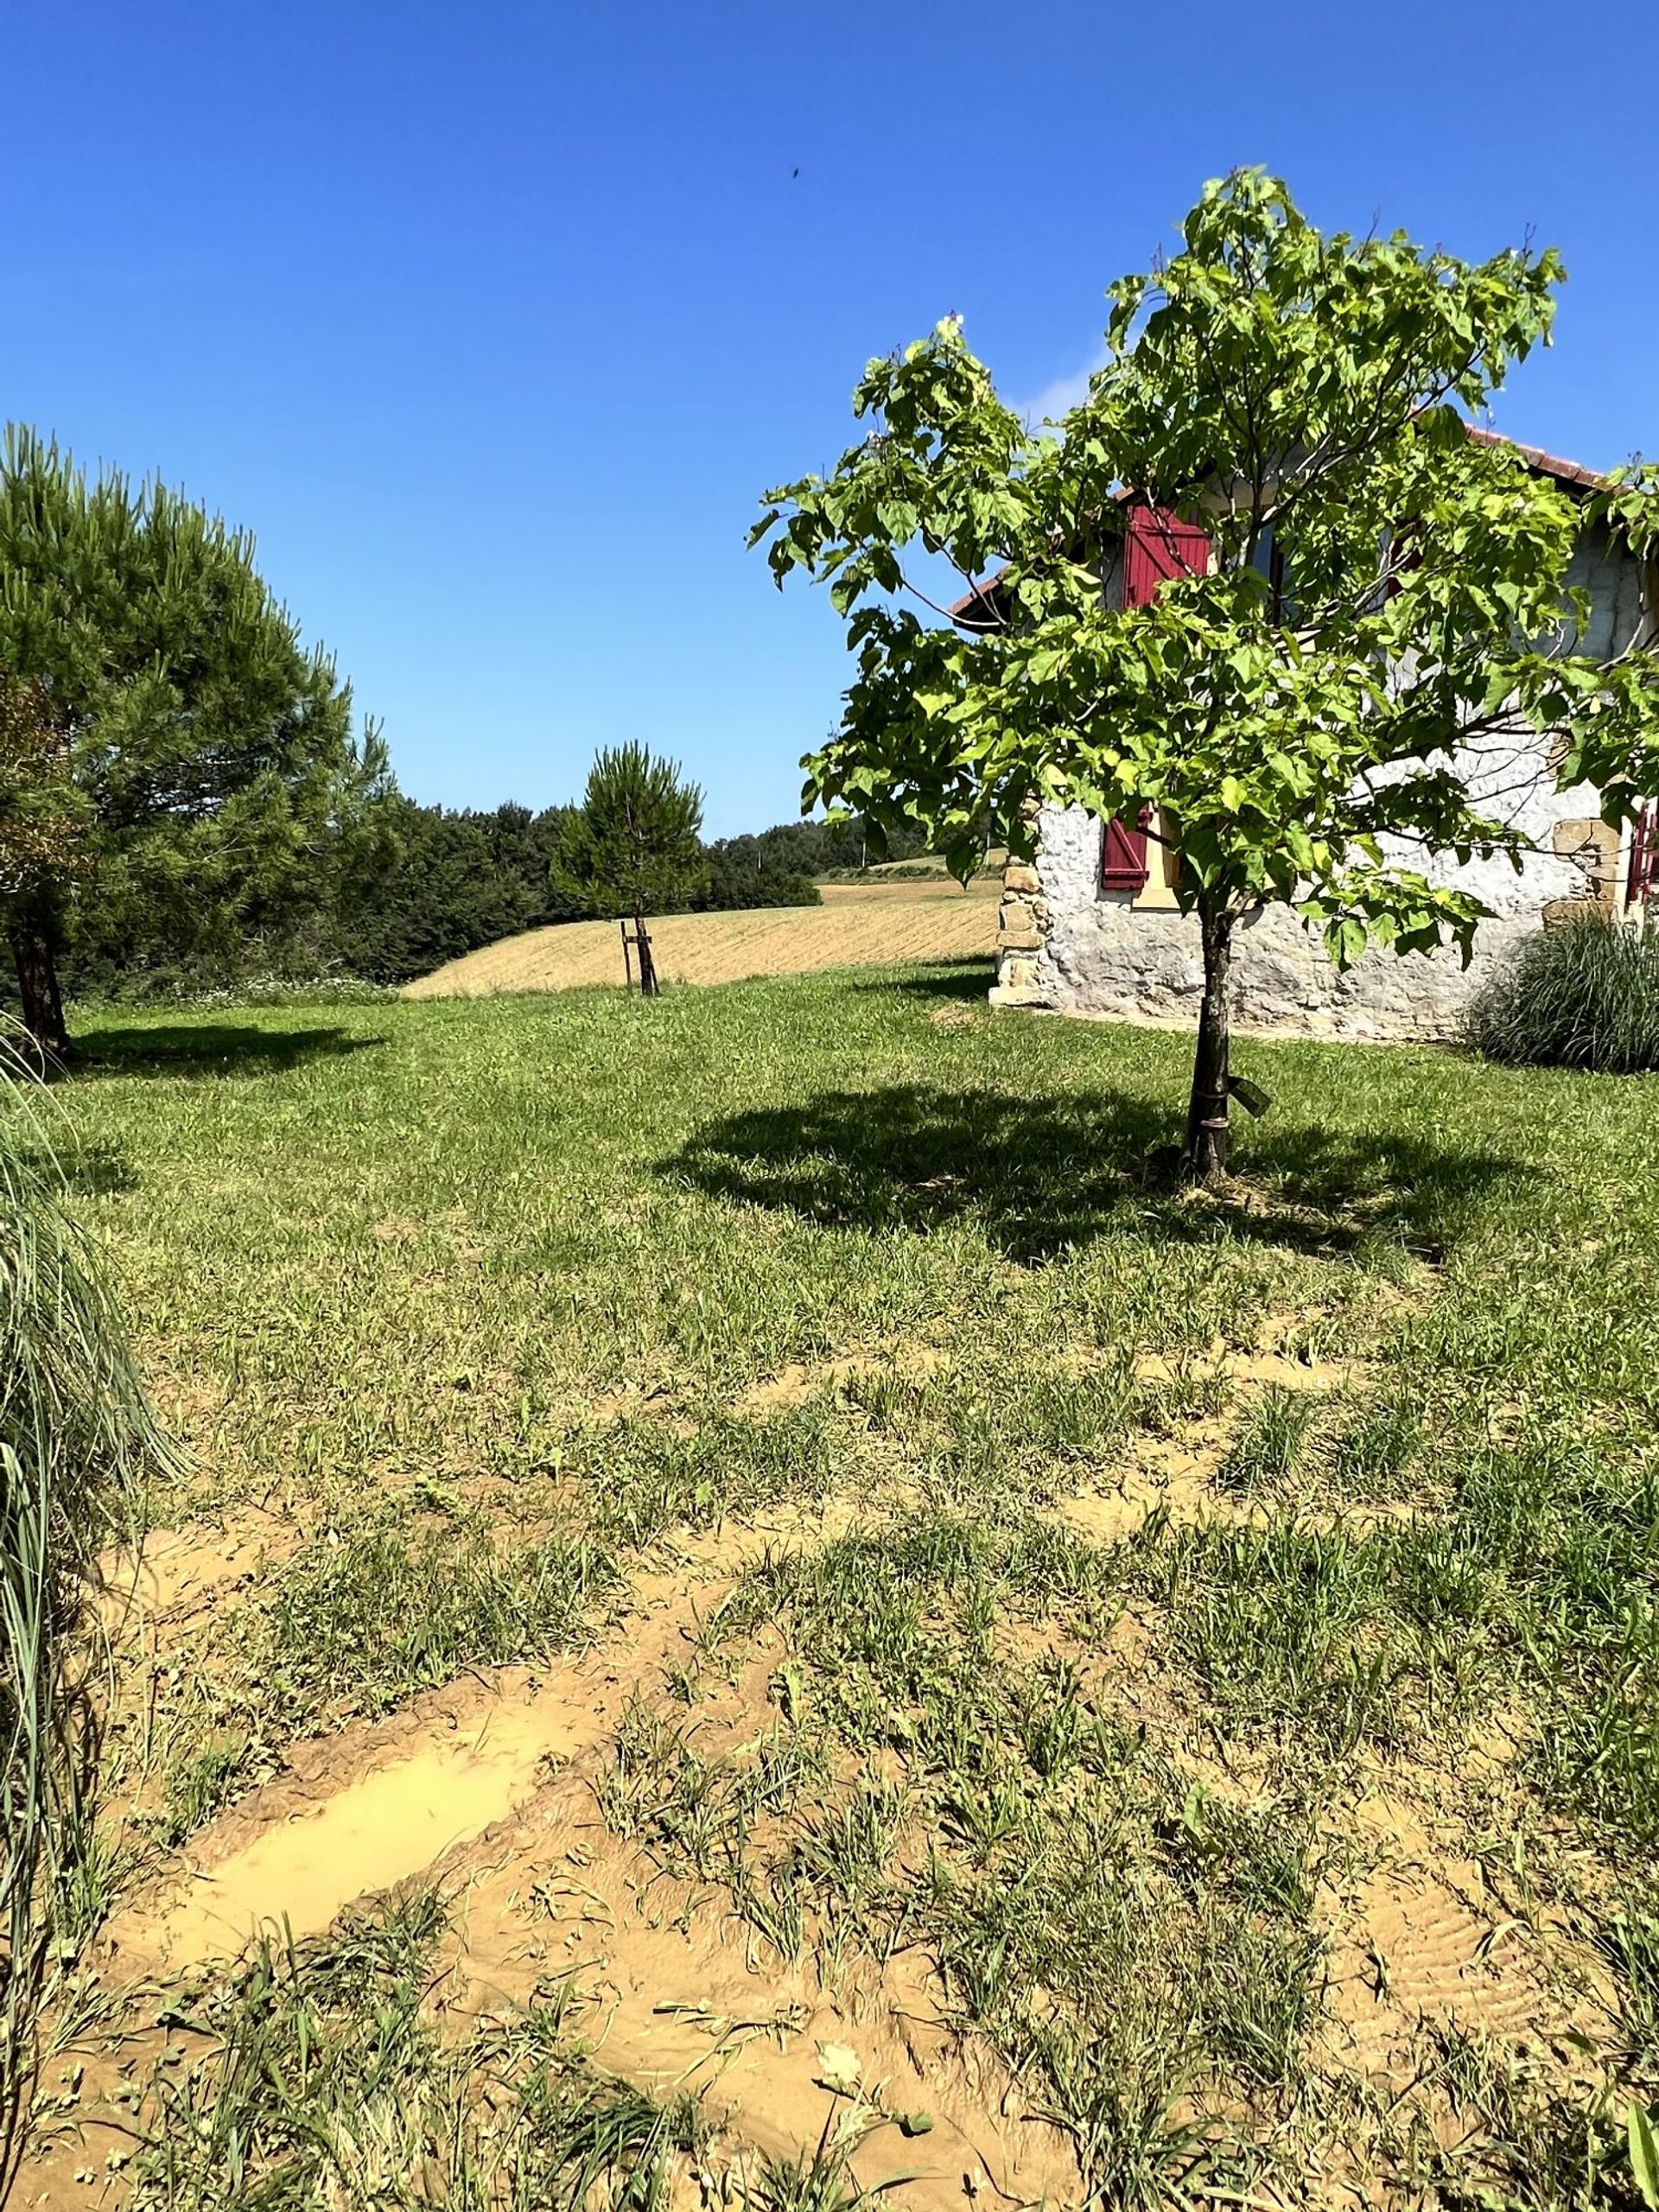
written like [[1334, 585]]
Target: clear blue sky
[[492, 319]]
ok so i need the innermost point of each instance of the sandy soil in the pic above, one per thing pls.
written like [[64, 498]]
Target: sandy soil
[[488, 1788]]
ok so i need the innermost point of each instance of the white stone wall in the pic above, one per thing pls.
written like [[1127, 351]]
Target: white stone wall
[[1614, 583], [1148, 964], [1067, 944]]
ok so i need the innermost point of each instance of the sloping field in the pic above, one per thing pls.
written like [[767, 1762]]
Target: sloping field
[[855, 927]]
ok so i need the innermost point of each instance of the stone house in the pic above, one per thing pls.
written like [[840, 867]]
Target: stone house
[[1092, 924]]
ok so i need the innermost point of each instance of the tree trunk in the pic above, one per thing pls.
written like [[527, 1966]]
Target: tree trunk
[[1205, 1155], [648, 984], [37, 987]]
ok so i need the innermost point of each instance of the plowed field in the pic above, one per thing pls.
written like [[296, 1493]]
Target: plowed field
[[855, 927]]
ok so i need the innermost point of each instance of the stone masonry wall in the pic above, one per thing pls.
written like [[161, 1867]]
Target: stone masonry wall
[[1065, 944]]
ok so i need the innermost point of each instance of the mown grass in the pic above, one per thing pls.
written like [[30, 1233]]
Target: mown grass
[[474, 1296]]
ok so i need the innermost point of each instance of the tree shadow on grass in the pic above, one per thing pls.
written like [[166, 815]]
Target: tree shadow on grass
[[97, 1171], [209, 1048], [1043, 1175], [966, 975], [93, 1171]]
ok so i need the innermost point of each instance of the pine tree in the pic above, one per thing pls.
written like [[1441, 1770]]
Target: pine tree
[[633, 847], [190, 717]]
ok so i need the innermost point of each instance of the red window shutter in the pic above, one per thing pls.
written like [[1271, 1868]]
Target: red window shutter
[[1645, 857], [1157, 545], [1123, 854]]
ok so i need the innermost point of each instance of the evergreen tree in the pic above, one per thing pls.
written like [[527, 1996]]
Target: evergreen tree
[[633, 847], [42, 827], [210, 756]]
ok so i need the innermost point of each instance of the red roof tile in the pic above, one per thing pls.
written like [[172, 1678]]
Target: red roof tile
[[1545, 464], [981, 601]]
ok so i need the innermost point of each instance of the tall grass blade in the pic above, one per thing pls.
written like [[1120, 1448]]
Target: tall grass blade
[[1582, 994], [76, 1440]]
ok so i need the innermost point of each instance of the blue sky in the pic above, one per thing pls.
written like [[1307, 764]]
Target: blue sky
[[492, 321]]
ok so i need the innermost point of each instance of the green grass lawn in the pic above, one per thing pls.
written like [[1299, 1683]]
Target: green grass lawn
[[1222, 1609]]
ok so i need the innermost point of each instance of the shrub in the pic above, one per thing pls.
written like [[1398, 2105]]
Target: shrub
[[1582, 994]]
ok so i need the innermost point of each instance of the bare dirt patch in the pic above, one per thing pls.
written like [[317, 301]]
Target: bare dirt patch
[[1421, 1945], [357, 1813], [1175, 1476], [1265, 1370], [681, 1995], [177, 1573], [794, 1384], [489, 1787]]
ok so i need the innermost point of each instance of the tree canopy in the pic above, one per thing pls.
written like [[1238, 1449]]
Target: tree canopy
[[43, 821], [209, 753], [452, 880], [633, 846], [1378, 589]]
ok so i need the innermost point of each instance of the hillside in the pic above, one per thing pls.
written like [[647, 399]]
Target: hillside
[[857, 926]]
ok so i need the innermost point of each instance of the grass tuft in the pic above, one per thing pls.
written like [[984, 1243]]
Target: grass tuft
[[1584, 994], [77, 1441], [325, 2083], [1268, 1444], [359, 1621]]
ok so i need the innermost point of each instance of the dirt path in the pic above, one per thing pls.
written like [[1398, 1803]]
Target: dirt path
[[489, 1789]]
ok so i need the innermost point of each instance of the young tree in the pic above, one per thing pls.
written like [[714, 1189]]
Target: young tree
[[633, 847], [193, 721], [1379, 587]]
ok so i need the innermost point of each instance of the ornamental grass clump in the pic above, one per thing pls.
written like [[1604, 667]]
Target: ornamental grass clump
[[76, 1440], [1584, 994]]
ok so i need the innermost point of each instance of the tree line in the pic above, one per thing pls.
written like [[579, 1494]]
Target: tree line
[[397, 889], [188, 799], [456, 878], [445, 881]]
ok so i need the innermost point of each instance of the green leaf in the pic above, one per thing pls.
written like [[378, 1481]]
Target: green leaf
[[1346, 939], [1644, 2152], [1288, 746]]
